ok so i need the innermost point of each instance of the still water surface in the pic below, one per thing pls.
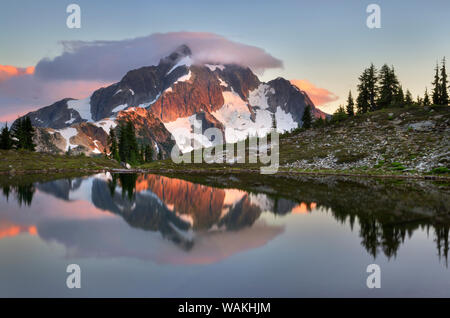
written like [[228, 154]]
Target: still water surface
[[154, 236]]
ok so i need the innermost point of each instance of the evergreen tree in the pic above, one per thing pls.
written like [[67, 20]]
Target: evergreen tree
[[419, 101], [408, 98], [443, 85], [112, 144], [123, 143], [319, 122], [29, 134], [350, 105], [399, 98], [23, 131], [128, 146], [372, 87], [436, 87], [362, 101], [306, 118], [426, 98], [148, 153], [339, 115], [388, 88], [142, 154], [18, 133], [6, 141], [367, 90]]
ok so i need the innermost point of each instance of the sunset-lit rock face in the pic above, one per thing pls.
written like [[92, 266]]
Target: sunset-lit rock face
[[201, 91], [149, 129], [160, 99]]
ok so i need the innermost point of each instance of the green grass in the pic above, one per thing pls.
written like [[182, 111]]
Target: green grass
[[23, 161], [441, 170], [349, 141], [383, 132]]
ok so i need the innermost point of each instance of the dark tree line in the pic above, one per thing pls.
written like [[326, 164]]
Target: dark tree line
[[307, 118], [440, 85], [378, 89], [20, 136], [124, 146]]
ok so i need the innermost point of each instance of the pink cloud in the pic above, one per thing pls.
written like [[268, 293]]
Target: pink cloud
[[8, 71], [318, 95]]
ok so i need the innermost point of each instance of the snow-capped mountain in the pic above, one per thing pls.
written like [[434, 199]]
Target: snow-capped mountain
[[176, 93]]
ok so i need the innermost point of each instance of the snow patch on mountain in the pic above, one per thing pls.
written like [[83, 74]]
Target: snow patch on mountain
[[119, 108], [82, 107], [184, 78], [236, 117], [96, 150], [258, 96], [186, 61], [284, 120], [145, 105], [185, 136], [213, 67], [68, 133], [222, 82], [106, 124]]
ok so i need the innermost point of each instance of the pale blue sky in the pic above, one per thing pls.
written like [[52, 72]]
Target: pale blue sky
[[325, 42]]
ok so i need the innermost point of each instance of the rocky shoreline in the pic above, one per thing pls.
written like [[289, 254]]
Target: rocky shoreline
[[256, 172]]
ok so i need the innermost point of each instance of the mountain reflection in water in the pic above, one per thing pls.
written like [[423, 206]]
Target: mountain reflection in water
[[206, 224]]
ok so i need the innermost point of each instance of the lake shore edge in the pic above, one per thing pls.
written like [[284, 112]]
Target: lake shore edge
[[255, 172]]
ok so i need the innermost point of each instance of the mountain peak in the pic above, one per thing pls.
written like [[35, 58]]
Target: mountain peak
[[179, 53], [161, 98]]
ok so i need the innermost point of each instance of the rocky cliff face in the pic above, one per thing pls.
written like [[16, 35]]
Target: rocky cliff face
[[149, 129], [175, 93]]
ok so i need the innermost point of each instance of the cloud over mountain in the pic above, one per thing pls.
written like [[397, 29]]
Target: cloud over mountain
[[110, 60], [86, 66]]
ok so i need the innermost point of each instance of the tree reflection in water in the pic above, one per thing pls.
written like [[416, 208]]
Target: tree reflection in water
[[386, 217]]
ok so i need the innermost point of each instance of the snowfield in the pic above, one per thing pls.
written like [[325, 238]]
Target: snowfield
[[184, 135], [106, 124], [285, 122], [82, 107], [258, 97], [68, 133], [236, 117]]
